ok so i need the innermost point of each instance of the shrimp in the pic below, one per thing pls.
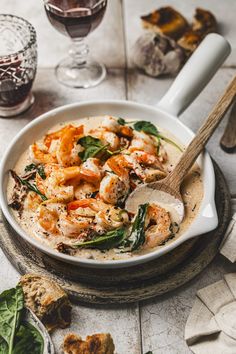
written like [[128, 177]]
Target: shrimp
[[111, 124], [107, 138], [143, 142], [85, 190], [157, 225], [110, 218], [48, 215], [147, 166], [32, 201], [53, 136], [105, 216], [113, 189], [49, 138], [119, 165], [39, 156], [48, 169], [147, 159], [68, 143], [55, 185], [91, 171], [59, 146], [126, 132], [73, 226]]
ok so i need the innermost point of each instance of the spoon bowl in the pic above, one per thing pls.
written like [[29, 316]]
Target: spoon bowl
[[167, 198]]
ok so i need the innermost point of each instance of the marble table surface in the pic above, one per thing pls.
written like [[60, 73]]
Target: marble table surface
[[158, 324]]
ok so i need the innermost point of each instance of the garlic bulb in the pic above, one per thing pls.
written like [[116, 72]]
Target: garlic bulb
[[157, 54]]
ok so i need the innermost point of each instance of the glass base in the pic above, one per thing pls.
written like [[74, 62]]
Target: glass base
[[18, 109], [90, 74]]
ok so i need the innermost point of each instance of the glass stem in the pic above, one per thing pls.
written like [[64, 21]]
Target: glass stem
[[79, 51]]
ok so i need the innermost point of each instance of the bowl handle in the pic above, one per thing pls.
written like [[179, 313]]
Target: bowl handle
[[195, 74]]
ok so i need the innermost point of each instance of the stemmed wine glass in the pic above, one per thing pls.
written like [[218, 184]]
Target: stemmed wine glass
[[76, 19]]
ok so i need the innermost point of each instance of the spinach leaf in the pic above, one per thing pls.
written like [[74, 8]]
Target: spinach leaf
[[137, 235], [11, 306], [121, 121], [146, 127], [41, 172], [30, 167], [107, 241], [92, 146], [32, 187], [28, 340], [3, 346], [39, 169], [149, 128]]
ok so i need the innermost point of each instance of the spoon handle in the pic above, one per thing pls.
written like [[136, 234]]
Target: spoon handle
[[205, 132]]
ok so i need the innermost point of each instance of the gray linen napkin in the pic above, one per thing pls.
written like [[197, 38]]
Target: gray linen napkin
[[228, 245], [211, 326]]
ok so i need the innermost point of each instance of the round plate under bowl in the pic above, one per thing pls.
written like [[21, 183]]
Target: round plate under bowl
[[112, 286]]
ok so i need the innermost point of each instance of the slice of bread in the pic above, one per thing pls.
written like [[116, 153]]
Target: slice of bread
[[47, 300], [190, 40], [204, 22], [167, 21], [100, 343]]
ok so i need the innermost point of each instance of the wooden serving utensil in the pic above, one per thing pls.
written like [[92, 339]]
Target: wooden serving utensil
[[228, 140], [166, 192]]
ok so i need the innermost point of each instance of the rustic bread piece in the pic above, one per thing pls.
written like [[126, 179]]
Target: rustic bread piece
[[101, 343], [47, 300], [167, 21], [190, 40], [204, 22]]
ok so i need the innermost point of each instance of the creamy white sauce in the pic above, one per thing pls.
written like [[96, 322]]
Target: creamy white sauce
[[191, 190]]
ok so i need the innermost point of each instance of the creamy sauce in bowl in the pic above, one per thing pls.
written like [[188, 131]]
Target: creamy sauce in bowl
[[28, 217]]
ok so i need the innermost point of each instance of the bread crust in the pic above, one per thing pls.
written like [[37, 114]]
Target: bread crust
[[47, 300], [204, 22], [100, 343], [167, 21]]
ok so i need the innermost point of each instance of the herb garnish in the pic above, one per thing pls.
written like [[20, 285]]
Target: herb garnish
[[146, 127], [92, 146], [107, 241], [121, 121], [39, 169], [17, 337], [30, 167], [137, 235], [149, 128], [31, 187]]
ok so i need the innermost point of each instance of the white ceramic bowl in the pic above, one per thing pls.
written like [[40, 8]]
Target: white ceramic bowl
[[207, 218]]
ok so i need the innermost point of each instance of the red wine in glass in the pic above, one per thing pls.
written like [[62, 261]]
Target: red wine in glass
[[76, 19], [14, 87]]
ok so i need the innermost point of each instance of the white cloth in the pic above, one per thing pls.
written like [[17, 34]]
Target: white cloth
[[211, 326], [228, 245]]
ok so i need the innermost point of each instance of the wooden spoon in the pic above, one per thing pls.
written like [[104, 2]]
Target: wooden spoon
[[166, 192]]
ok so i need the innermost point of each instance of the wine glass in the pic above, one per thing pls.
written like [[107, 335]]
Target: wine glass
[[76, 19], [18, 64]]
